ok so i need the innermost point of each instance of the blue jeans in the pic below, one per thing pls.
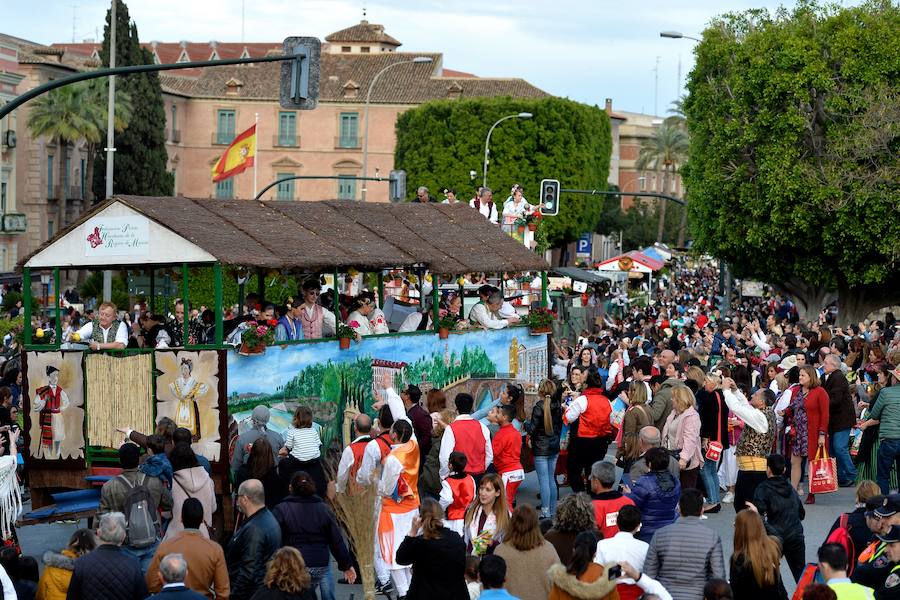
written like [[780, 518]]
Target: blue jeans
[[143, 555], [888, 454], [545, 466], [709, 474], [323, 578], [840, 450]]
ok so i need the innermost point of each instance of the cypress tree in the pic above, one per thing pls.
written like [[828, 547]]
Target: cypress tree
[[140, 158]]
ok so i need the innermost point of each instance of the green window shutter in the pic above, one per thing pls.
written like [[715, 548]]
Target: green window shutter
[[285, 189], [349, 137], [225, 126], [225, 189]]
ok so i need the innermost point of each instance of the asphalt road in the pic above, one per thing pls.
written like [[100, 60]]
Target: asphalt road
[[37, 539]]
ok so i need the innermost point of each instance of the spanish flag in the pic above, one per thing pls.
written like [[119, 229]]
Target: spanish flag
[[237, 157]]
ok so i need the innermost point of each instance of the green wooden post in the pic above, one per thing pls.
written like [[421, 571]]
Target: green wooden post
[[381, 290], [185, 327], [543, 289], [58, 328], [435, 298], [26, 304], [220, 305]]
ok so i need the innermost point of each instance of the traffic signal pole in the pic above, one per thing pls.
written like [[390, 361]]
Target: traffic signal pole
[[678, 201]]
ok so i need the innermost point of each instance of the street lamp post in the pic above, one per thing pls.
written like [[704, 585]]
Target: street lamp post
[[487, 141], [676, 35], [365, 168]]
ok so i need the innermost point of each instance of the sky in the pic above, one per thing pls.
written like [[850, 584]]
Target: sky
[[586, 50]]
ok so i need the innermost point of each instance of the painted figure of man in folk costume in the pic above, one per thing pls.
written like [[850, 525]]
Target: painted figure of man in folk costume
[[49, 402], [186, 390]]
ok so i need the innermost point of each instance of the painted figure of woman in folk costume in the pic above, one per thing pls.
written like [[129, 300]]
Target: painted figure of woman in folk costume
[[186, 390]]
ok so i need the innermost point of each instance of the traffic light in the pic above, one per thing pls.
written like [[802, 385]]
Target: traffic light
[[549, 197], [300, 77], [397, 186]]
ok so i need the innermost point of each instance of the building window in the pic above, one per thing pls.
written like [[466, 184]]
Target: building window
[[50, 176], [174, 181], [287, 129], [225, 189], [345, 48], [285, 189], [225, 123], [346, 187], [364, 49], [349, 137], [3, 193], [174, 123], [50, 229]]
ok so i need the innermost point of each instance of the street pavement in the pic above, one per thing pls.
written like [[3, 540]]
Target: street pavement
[[37, 539]]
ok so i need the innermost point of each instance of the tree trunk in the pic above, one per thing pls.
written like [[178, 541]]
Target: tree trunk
[[660, 228], [857, 302], [809, 299], [62, 193], [682, 229]]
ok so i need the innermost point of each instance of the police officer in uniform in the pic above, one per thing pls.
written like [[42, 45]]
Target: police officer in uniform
[[874, 565], [891, 588]]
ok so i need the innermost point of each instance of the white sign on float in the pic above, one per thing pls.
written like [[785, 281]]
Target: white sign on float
[[116, 236]]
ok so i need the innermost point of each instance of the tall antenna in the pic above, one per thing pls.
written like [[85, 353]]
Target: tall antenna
[[364, 10]]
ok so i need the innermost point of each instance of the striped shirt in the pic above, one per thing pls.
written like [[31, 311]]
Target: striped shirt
[[303, 444]]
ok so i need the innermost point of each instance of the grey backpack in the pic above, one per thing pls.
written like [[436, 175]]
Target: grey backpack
[[141, 516]]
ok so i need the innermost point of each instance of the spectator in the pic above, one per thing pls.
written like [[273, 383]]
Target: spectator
[[24, 575], [172, 572], [684, 555], [115, 493], [623, 547], [418, 416], [468, 436], [841, 418], [582, 578], [259, 420], [776, 500], [527, 554], [208, 573], [681, 437], [856, 523], [886, 414], [303, 448], [190, 481], [54, 582], [309, 525], [661, 405], [637, 416], [254, 542], [156, 463], [286, 578], [544, 428], [649, 437], [713, 429], [487, 518], [108, 573], [756, 563], [473, 585], [607, 501], [437, 556], [261, 465], [656, 495], [809, 413], [492, 573], [833, 563], [574, 515], [717, 589], [594, 432], [183, 435]]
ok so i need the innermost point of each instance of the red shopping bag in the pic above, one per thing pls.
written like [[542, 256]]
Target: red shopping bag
[[823, 473]]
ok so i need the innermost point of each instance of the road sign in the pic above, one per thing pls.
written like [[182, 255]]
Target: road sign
[[584, 246], [300, 77]]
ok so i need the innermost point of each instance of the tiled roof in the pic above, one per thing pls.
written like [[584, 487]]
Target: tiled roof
[[407, 84], [455, 73], [33, 53], [363, 32]]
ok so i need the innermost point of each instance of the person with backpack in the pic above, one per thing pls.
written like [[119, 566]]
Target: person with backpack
[[850, 529], [140, 498]]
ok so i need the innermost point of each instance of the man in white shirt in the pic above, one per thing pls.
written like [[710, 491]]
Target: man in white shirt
[[486, 314], [465, 428], [484, 203], [623, 546], [351, 457], [105, 332]]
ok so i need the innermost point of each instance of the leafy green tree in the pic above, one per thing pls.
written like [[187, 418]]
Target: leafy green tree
[[140, 158], [664, 151], [794, 168], [65, 115], [439, 143]]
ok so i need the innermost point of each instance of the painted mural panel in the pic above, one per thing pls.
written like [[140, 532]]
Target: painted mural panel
[[187, 391], [56, 402], [325, 378]]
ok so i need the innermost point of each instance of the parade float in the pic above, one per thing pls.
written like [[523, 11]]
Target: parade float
[[211, 388]]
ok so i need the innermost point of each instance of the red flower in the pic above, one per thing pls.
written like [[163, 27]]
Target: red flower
[[272, 322]]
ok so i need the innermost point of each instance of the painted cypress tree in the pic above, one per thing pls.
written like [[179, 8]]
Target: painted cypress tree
[[140, 160]]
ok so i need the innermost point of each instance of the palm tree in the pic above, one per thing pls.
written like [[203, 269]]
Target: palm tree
[[679, 118], [663, 152]]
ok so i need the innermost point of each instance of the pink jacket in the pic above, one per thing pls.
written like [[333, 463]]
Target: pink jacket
[[682, 432]]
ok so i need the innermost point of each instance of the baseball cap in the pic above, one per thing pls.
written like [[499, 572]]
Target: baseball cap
[[889, 506], [892, 536]]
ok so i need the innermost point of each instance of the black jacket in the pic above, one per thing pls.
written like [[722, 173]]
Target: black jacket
[[745, 586], [841, 413], [308, 525], [107, 573], [778, 502], [266, 593], [544, 444], [860, 533], [249, 551], [709, 408], [439, 566]]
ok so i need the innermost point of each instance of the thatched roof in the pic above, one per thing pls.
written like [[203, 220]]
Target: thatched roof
[[443, 238]]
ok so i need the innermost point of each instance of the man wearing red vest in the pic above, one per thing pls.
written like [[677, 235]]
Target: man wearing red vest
[[377, 449], [468, 436], [351, 458], [605, 499], [592, 410], [507, 446]]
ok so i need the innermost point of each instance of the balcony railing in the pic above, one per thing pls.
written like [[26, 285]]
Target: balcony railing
[[222, 138], [347, 142], [73, 192], [285, 141], [176, 136]]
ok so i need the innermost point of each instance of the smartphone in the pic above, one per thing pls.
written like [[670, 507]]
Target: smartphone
[[615, 572]]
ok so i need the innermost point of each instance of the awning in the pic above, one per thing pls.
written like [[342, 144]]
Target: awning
[[581, 275]]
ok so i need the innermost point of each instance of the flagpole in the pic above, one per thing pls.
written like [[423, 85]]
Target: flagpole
[[255, 150]]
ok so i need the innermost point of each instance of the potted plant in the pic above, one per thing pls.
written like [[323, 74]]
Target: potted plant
[[445, 324], [540, 320], [533, 220], [344, 333], [521, 223], [257, 336]]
